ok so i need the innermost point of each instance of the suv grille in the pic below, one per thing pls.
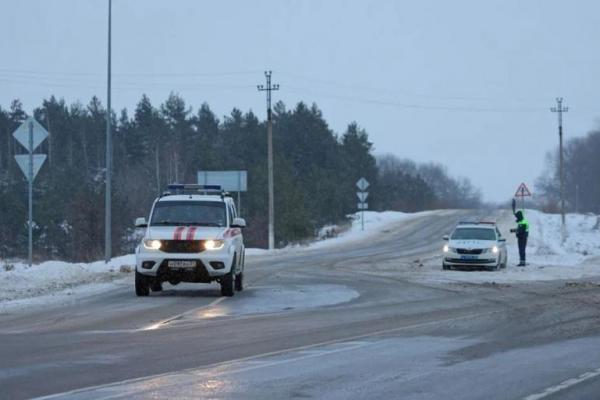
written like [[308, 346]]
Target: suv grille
[[469, 251], [181, 246]]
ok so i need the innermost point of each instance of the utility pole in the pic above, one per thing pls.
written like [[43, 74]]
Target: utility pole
[[108, 176], [268, 88], [560, 109]]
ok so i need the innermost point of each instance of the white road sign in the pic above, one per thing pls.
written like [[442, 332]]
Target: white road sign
[[231, 181], [362, 184], [363, 206], [362, 196], [23, 161], [22, 133]]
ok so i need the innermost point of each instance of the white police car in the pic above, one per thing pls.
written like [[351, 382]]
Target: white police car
[[193, 235], [477, 244]]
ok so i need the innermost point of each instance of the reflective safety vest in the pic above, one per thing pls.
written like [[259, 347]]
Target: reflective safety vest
[[524, 224]]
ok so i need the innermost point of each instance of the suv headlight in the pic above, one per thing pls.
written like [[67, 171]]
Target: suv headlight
[[152, 244], [213, 244], [494, 249]]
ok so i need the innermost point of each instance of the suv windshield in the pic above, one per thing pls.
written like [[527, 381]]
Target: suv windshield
[[199, 213], [474, 234]]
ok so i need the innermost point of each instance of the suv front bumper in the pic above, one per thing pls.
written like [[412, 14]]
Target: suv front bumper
[[209, 264]]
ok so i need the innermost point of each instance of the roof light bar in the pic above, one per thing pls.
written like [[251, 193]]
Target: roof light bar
[[191, 188]]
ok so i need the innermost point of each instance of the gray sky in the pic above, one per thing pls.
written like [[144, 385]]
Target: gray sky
[[465, 83]]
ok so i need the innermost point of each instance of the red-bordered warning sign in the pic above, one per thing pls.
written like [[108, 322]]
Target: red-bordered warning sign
[[523, 191]]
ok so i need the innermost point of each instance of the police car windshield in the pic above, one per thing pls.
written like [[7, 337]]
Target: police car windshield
[[474, 234], [198, 213]]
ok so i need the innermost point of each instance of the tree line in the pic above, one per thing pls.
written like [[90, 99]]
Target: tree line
[[315, 173], [581, 171]]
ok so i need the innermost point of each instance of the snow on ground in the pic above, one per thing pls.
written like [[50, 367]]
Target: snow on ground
[[582, 239], [55, 280], [375, 222], [548, 257]]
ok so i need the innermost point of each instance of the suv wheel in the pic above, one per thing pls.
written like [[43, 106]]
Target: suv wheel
[[239, 282], [156, 286], [142, 287], [227, 284]]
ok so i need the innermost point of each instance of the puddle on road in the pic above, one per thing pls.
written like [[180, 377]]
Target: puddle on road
[[270, 299]]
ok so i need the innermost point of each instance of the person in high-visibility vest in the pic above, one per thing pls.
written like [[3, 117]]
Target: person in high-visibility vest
[[522, 232]]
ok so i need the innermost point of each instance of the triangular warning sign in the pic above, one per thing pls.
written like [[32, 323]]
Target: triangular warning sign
[[23, 161], [523, 191]]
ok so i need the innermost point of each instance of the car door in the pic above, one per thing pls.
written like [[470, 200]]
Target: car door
[[501, 245]]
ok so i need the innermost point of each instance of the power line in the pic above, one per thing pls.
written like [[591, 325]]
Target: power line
[[419, 106], [390, 90], [128, 86], [129, 73]]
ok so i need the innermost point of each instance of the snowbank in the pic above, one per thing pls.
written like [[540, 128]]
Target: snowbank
[[582, 241], [375, 222], [21, 282]]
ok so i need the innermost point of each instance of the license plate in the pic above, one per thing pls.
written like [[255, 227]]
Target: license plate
[[468, 257], [182, 264]]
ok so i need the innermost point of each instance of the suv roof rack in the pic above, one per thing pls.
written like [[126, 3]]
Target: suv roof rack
[[192, 188]]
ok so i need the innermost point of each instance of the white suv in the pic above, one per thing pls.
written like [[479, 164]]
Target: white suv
[[475, 244], [193, 235]]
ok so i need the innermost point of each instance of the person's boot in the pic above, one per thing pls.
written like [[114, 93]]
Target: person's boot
[[521, 264]]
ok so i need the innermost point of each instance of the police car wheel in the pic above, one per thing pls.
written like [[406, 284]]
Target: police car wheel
[[227, 284], [142, 287]]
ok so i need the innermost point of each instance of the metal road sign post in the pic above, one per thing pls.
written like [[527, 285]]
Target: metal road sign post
[[30, 135], [231, 181], [362, 185]]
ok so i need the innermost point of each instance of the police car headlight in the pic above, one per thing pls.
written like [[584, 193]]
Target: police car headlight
[[152, 244], [495, 249], [214, 244], [446, 248]]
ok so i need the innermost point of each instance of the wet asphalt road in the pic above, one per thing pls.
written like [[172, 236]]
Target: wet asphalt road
[[388, 338]]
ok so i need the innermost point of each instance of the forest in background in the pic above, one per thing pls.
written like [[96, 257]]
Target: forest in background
[[581, 172], [315, 173]]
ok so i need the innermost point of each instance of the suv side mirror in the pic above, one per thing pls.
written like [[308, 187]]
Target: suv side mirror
[[502, 239], [446, 237], [238, 223], [141, 222]]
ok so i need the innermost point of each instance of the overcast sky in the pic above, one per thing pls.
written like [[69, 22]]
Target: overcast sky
[[465, 83]]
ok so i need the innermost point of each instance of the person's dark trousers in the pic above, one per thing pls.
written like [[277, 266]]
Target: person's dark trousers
[[522, 245]]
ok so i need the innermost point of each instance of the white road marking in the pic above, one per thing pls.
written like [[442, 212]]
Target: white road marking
[[261, 364], [564, 385]]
